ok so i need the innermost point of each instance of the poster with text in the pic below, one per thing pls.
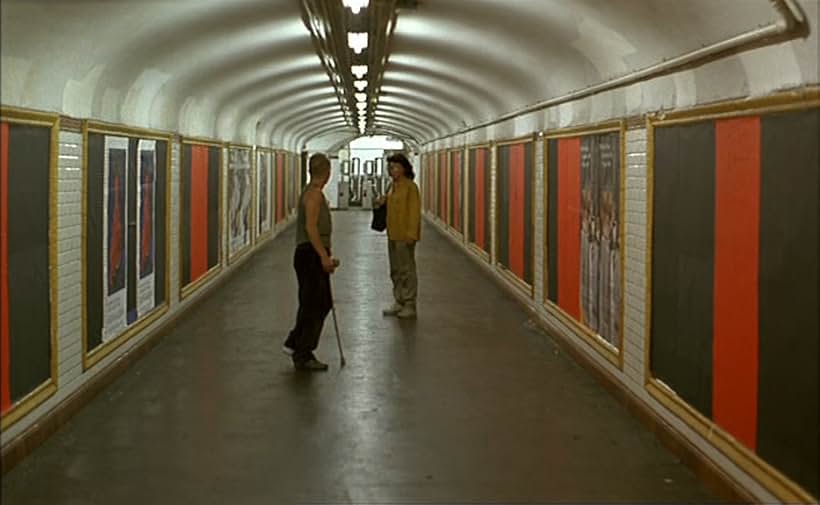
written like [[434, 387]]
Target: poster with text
[[114, 238], [263, 190], [146, 218], [240, 194], [584, 245]]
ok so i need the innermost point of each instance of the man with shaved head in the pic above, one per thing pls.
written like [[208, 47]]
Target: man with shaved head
[[313, 264]]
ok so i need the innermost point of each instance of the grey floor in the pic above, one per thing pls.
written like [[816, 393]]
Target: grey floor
[[464, 405]]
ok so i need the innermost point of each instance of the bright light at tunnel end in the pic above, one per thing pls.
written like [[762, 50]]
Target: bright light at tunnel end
[[359, 70], [356, 5], [357, 41]]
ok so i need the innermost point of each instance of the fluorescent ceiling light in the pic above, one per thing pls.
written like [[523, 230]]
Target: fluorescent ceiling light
[[361, 106], [356, 5], [360, 85], [357, 41], [359, 70], [361, 97]]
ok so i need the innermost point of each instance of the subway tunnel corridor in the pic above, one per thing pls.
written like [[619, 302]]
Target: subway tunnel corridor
[[619, 263], [468, 404]]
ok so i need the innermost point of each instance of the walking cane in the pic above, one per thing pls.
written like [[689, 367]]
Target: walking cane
[[335, 321]]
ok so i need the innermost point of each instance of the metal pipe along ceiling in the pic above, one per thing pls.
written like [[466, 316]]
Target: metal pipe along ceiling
[[792, 24]]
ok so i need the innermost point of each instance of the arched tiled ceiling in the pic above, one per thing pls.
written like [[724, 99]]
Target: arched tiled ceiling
[[491, 58], [247, 70], [452, 106], [413, 118], [400, 125], [333, 141], [228, 70]]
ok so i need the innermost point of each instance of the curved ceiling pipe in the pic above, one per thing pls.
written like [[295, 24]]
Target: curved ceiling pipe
[[792, 24]]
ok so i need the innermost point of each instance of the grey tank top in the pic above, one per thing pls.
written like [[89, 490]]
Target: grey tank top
[[325, 225]]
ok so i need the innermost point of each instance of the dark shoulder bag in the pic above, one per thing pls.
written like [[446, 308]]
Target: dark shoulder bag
[[379, 222]]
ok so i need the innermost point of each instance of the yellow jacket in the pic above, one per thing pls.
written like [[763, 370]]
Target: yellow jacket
[[404, 211]]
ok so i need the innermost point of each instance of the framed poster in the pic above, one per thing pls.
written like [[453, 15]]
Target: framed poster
[[240, 196], [584, 233], [264, 199], [515, 219], [455, 188], [200, 213], [732, 281], [28, 261], [280, 184], [125, 251], [479, 188]]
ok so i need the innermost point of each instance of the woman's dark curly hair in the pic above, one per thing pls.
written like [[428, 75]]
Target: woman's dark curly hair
[[404, 162]]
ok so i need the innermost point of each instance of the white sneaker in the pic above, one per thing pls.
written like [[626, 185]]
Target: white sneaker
[[393, 310]]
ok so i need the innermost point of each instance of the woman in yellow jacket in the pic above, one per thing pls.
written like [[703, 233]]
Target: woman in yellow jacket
[[403, 232]]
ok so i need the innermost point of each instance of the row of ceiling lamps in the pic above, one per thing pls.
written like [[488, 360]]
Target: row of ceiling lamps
[[357, 41]]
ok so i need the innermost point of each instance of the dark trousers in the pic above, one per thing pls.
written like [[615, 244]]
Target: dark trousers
[[315, 302]]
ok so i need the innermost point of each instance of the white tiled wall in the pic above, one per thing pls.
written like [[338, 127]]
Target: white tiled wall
[[634, 260], [69, 266], [493, 232], [71, 376], [173, 271], [538, 271]]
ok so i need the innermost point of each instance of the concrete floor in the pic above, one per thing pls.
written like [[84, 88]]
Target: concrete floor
[[464, 405]]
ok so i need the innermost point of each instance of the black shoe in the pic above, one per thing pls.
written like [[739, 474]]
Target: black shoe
[[287, 349], [312, 364]]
